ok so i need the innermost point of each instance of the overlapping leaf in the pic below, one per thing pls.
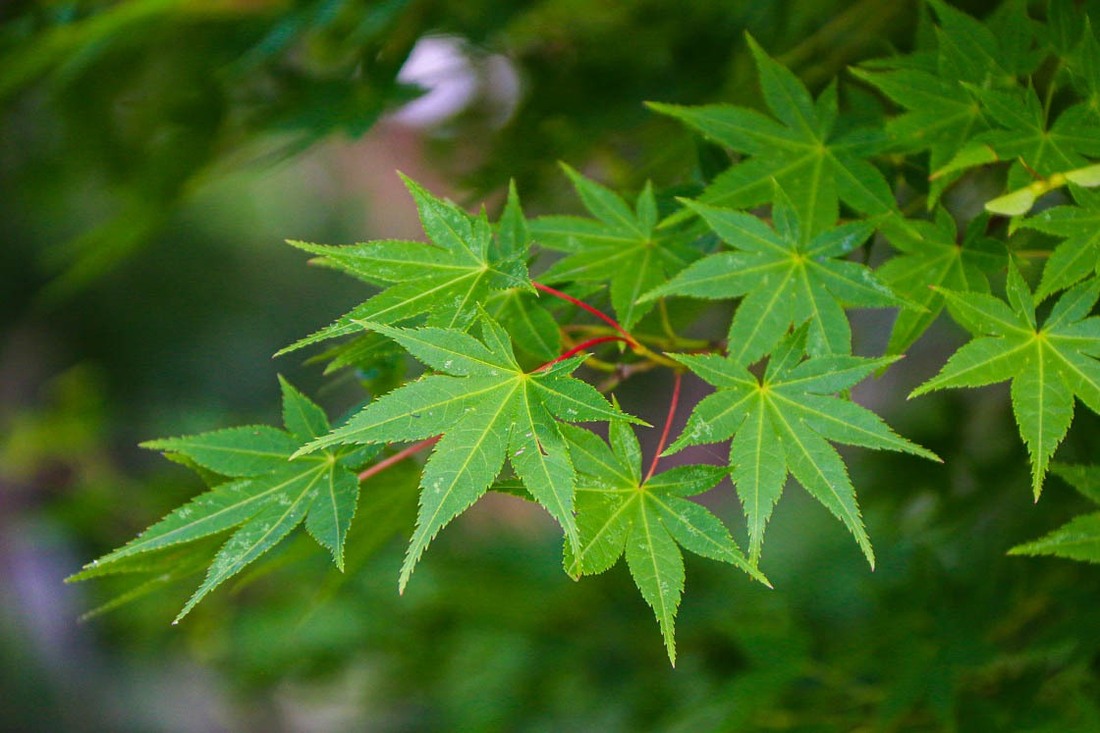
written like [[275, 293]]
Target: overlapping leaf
[[800, 149], [527, 321], [783, 424], [648, 520], [620, 246], [1048, 366], [941, 114], [1021, 124], [785, 280], [441, 282], [531, 326], [263, 492], [930, 256], [1078, 256], [487, 409], [1078, 539], [1022, 134]]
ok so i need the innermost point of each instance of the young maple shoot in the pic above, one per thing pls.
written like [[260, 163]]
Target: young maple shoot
[[858, 211]]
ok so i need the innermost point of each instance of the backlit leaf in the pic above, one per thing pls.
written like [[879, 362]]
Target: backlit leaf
[[487, 410], [1048, 365], [647, 521], [782, 425]]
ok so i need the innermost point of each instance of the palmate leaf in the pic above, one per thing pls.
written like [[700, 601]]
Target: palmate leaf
[[1078, 256], [1021, 126], [265, 494], [1078, 539], [783, 423], [931, 256], [442, 282], [1022, 134], [1048, 365], [620, 246], [798, 151], [647, 520], [487, 409], [785, 280], [941, 114], [940, 117]]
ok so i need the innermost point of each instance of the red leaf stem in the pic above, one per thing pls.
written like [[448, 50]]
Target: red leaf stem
[[668, 426], [594, 311], [398, 457], [584, 345]]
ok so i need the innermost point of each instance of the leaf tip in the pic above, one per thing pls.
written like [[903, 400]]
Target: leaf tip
[[569, 170]]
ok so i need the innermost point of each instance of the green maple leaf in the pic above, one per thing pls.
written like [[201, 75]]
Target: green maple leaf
[[1021, 124], [1022, 134], [970, 51], [648, 520], [1079, 255], [942, 114], [783, 423], [1048, 366], [263, 492], [1078, 539], [531, 326], [1083, 63], [931, 256], [619, 246], [784, 279], [799, 151], [487, 409], [940, 117], [442, 282]]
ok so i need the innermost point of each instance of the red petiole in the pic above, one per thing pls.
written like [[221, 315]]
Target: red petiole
[[668, 426], [398, 457], [594, 311], [583, 346]]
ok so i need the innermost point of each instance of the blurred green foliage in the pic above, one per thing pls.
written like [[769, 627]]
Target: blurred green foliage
[[128, 124]]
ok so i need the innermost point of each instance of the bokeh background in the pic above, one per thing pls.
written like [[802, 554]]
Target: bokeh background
[[154, 154]]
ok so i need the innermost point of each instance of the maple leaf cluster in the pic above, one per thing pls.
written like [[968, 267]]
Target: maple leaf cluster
[[817, 214]]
